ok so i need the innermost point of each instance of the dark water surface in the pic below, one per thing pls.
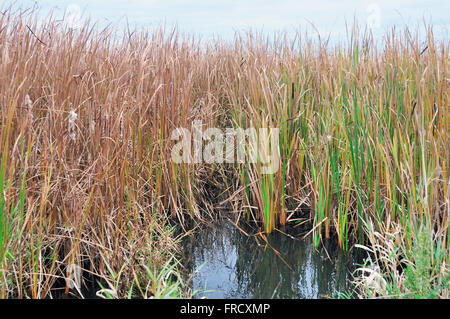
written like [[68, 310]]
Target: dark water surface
[[233, 265]]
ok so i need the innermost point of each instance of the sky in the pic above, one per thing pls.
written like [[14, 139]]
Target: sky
[[214, 18]]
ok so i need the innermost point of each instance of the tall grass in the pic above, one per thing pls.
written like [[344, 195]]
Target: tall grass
[[368, 130], [86, 116]]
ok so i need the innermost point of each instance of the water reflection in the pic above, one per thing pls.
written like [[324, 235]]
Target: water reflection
[[235, 266]]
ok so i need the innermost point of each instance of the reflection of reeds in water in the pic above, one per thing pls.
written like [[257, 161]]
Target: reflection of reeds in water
[[251, 269], [302, 272]]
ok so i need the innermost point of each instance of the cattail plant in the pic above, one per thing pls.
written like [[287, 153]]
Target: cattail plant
[[86, 119]]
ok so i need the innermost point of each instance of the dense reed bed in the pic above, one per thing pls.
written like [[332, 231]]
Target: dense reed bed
[[88, 185]]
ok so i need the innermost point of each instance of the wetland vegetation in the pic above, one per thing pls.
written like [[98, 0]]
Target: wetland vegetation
[[89, 190]]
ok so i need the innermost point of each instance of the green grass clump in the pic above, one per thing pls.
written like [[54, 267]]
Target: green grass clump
[[422, 276], [401, 270]]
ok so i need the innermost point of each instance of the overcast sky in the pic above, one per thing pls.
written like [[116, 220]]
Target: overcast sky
[[208, 17]]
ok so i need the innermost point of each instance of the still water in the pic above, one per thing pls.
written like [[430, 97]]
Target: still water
[[230, 264]]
